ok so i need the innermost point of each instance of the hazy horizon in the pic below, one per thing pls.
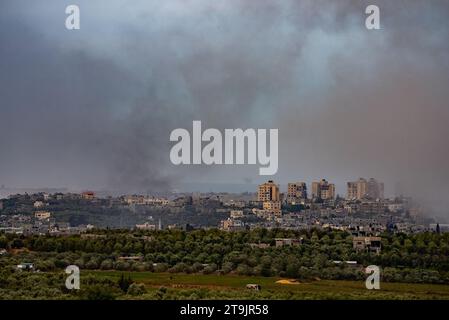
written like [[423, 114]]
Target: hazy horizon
[[93, 108]]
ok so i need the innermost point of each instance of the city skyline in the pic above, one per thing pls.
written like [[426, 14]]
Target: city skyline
[[224, 158], [282, 188], [93, 108]]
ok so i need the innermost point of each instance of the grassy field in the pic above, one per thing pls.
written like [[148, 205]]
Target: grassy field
[[199, 286]]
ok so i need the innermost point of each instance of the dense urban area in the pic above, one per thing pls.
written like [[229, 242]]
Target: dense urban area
[[239, 246], [363, 210]]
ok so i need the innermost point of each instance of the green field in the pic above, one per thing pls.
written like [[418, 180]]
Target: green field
[[199, 286]]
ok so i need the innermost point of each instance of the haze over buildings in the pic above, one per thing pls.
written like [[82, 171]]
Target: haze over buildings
[[365, 189], [93, 109]]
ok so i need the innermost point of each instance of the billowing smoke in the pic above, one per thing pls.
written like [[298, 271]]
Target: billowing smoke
[[94, 108]]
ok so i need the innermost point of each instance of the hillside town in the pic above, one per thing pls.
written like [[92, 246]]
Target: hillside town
[[364, 210]]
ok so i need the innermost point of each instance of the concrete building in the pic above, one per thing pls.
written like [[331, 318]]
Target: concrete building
[[232, 225], [145, 200], [323, 190], [281, 242], [273, 207], [146, 226], [296, 192], [372, 207], [268, 191], [38, 204], [88, 195], [365, 189], [236, 214], [268, 194], [375, 189], [357, 189], [42, 215], [370, 244]]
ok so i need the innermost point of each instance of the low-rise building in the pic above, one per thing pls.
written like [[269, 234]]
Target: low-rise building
[[145, 200], [42, 215], [370, 244], [273, 207], [281, 242], [146, 226], [38, 204], [88, 195], [236, 214], [232, 225]]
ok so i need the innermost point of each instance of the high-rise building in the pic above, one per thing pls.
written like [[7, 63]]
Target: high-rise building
[[357, 189], [316, 190], [268, 191], [351, 190], [375, 189], [268, 194], [296, 192], [363, 189], [323, 190]]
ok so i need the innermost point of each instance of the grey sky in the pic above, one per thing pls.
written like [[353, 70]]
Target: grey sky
[[94, 108]]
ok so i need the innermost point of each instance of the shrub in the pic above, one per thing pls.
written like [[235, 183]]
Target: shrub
[[136, 289]]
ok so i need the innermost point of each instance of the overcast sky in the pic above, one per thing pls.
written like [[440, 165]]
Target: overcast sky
[[94, 108]]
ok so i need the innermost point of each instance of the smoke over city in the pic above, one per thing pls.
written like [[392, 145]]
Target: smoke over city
[[94, 108]]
